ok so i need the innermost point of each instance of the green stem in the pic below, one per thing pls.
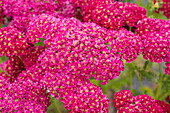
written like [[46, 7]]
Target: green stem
[[139, 78], [160, 70], [140, 81], [131, 87], [100, 85], [56, 108], [130, 28], [160, 84]]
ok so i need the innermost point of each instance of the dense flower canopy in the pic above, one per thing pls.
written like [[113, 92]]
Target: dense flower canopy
[[73, 51]]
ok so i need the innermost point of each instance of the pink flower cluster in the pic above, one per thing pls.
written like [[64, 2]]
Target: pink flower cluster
[[29, 8], [87, 99], [124, 101], [22, 96], [74, 52], [39, 27], [12, 42], [22, 11], [126, 43], [165, 7], [77, 94], [80, 52], [167, 70], [110, 14], [2, 15], [155, 34], [13, 66]]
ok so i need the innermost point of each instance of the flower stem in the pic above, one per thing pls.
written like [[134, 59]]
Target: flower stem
[[140, 81], [130, 28], [56, 108], [131, 87], [100, 85], [160, 84], [139, 78]]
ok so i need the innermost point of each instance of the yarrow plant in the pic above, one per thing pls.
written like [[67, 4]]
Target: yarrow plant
[[52, 54]]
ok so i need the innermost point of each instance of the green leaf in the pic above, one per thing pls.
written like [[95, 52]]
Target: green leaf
[[145, 65], [41, 42], [52, 99], [109, 48]]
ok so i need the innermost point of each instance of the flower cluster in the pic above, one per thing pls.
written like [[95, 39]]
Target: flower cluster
[[124, 101], [77, 94], [31, 55], [13, 66], [74, 52], [125, 42], [165, 7], [12, 42], [39, 27], [2, 15], [110, 14], [29, 8], [167, 70], [23, 96], [87, 99], [22, 11], [155, 36]]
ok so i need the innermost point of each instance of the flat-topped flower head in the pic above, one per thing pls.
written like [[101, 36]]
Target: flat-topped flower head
[[82, 56], [12, 42], [24, 96], [110, 14], [39, 27], [30, 8], [125, 42], [124, 101], [87, 99], [149, 25], [20, 23]]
